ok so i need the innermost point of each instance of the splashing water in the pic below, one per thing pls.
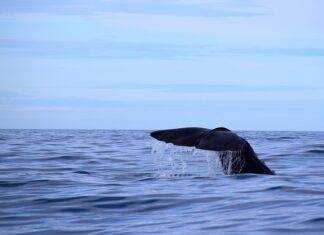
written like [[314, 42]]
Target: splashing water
[[232, 162], [172, 160]]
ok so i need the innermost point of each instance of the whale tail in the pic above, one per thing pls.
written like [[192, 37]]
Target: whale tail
[[181, 136], [219, 139]]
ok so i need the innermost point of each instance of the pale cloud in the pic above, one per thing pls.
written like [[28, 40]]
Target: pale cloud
[[195, 2], [168, 7], [221, 3], [224, 27], [270, 20], [40, 17], [144, 50], [247, 27]]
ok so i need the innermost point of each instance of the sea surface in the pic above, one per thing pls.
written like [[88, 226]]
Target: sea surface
[[111, 182]]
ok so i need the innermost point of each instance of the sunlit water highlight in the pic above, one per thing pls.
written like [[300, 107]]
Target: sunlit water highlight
[[110, 182]]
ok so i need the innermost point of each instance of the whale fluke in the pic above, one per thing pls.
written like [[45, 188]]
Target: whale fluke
[[219, 139], [180, 136]]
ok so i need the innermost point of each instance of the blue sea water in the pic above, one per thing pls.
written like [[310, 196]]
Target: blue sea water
[[110, 182]]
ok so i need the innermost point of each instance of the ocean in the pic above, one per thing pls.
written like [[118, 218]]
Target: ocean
[[123, 182]]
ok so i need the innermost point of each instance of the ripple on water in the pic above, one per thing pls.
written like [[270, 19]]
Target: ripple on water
[[320, 151], [108, 182], [9, 184]]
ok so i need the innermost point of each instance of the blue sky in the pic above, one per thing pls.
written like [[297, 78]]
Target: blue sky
[[143, 64]]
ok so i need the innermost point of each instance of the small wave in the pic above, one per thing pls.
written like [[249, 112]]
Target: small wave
[[50, 182], [157, 202], [107, 199], [277, 188], [75, 209], [321, 146], [67, 231], [315, 220], [280, 138], [8, 184], [120, 205], [10, 154], [245, 176], [82, 172], [315, 151], [287, 138], [60, 199], [65, 157], [281, 155], [222, 226], [148, 179]]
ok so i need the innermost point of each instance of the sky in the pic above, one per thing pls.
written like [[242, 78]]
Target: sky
[[143, 64]]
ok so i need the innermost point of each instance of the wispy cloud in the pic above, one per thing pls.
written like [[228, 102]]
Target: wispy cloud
[[203, 88], [131, 94], [304, 52], [100, 49], [168, 7], [104, 49], [218, 19]]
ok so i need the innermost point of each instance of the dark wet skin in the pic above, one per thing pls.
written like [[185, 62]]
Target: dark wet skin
[[219, 139]]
